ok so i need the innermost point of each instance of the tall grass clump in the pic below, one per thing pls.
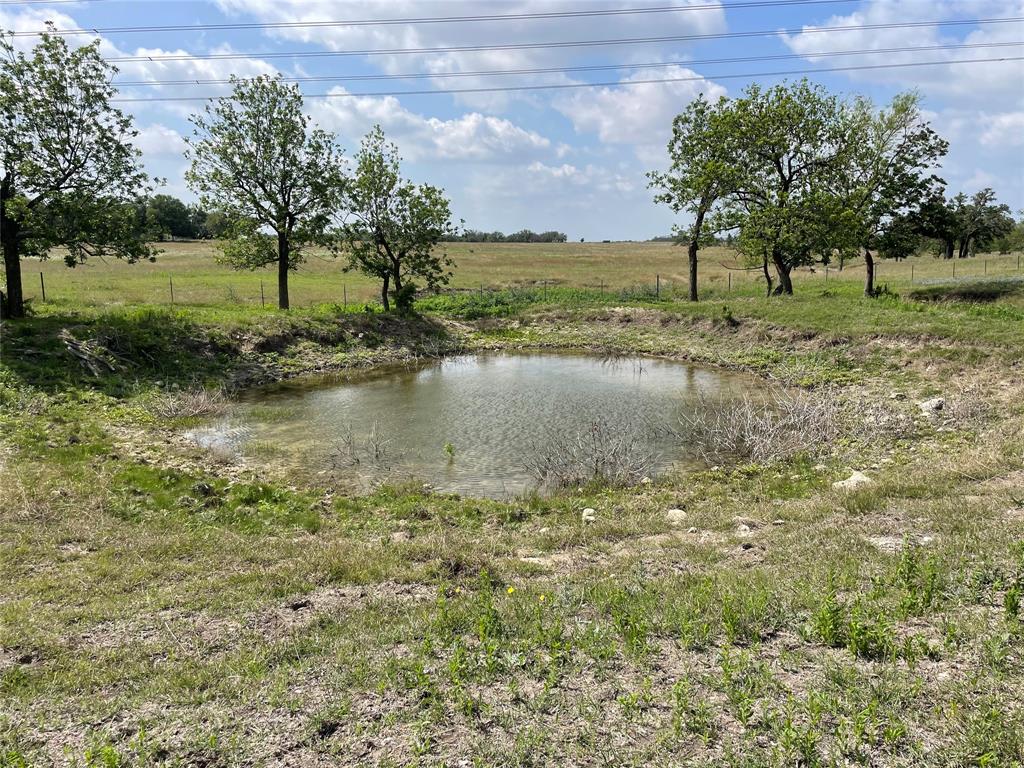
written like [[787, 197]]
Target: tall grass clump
[[192, 403], [771, 429], [601, 453]]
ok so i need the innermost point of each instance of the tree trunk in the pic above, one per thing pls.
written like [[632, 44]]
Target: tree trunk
[[783, 269], [965, 247], [14, 301], [396, 277], [698, 225], [384, 293], [869, 274], [949, 249], [692, 255], [767, 276], [283, 257]]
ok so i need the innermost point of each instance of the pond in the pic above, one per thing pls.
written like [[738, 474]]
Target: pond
[[482, 425]]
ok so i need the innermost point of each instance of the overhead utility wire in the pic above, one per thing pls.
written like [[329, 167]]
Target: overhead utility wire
[[566, 44], [580, 68], [530, 16], [616, 83]]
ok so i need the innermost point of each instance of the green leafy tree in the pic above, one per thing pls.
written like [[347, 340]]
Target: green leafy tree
[[1012, 240], [786, 144], [69, 175], [215, 224], [937, 219], [979, 220], [167, 216], [254, 158], [394, 227], [886, 177], [700, 175], [962, 224]]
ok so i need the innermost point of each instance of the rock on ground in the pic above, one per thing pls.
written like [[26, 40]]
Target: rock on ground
[[675, 516], [857, 480]]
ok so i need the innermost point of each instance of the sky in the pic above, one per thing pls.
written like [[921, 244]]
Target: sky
[[573, 159]]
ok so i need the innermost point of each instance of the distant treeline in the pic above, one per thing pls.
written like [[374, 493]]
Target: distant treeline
[[165, 217], [522, 236]]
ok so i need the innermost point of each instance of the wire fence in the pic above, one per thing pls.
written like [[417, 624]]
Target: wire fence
[[182, 289]]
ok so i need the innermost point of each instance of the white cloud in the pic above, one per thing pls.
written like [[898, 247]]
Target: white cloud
[[1003, 130], [707, 18], [157, 139], [636, 114], [471, 136], [984, 82]]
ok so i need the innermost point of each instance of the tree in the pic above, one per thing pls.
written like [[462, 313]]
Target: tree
[[168, 216], [885, 179], [700, 174], [215, 224], [70, 174], [979, 220], [963, 223], [1012, 240], [394, 226], [254, 158], [786, 144]]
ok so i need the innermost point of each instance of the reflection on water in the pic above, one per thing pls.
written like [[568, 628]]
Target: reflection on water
[[470, 425]]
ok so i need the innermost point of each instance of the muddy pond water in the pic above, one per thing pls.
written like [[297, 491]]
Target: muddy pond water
[[482, 425]]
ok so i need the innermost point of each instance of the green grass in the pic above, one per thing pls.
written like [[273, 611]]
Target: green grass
[[198, 280], [161, 606]]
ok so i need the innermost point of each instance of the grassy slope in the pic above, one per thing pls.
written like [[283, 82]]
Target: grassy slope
[[199, 281], [156, 607]]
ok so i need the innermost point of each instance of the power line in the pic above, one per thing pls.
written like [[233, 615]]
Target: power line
[[616, 83], [581, 68], [566, 44], [537, 15]]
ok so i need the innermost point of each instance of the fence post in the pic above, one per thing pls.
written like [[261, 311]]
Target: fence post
[[729, 275], [826, 273], [657, 286], [263, 298], [170, 282], [985, 267], [42, 286], [911, 274], [344, 295]]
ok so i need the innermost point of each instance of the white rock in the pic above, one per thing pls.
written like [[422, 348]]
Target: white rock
[[743, 529], [856, 480], [933, 406], [675, 516], [778, 522], [820, 467], [545, 529], [645, 481], [691, 529], [589, 515]]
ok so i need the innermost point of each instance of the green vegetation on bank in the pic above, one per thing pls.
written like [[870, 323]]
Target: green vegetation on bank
[[162, 606]]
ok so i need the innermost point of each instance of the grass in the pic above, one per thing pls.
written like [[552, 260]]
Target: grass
[[162, 606], [198, 280]]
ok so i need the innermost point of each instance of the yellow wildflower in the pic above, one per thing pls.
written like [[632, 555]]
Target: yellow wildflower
[[510, 590]]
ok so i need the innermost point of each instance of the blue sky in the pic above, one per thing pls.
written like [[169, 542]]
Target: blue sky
[[571, 159]]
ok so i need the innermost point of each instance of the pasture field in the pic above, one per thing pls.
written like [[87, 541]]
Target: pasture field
[[198, 279], [162, 605]]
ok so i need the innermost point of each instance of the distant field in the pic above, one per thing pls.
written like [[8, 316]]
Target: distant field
[[199, 280]]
